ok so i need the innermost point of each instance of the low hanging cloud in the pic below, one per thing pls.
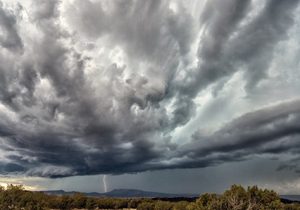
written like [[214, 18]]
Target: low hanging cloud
[[102, 87], [272, 130]]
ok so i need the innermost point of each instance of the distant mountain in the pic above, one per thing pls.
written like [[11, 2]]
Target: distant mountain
[[291, 197], [133, 193], [123, 193], [141, 193]]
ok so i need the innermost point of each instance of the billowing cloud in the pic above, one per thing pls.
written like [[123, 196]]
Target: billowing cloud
[[269, 131], [105, 87]]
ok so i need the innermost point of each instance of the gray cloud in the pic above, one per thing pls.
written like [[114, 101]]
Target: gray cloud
[[272, 130], [235, 40], [103, 87], [9, 37]]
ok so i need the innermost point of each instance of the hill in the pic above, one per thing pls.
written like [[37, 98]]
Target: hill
[[123, 193]]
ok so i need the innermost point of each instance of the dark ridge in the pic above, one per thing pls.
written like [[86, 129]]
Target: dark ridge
[[177, 199], [128, 193]]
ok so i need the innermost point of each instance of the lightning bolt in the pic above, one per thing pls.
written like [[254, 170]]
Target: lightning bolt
[[104, 183]]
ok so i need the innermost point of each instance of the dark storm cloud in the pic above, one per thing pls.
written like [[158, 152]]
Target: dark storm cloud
[[272, 130], [63, 114]]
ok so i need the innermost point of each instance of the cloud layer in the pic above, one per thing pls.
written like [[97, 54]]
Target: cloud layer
[[102, 87]]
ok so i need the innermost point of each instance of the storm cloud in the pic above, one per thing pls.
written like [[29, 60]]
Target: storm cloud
[[105, 87]]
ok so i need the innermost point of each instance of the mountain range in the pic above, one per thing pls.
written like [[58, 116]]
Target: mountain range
[[134, 193], [123, 193]]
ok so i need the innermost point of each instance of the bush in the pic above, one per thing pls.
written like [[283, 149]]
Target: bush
[[145, 206]]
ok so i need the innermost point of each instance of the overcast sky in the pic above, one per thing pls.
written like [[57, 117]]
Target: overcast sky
[[167, 96]]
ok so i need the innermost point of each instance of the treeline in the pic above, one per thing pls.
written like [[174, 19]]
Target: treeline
[[236, 198]]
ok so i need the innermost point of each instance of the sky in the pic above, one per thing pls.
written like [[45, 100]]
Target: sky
[[167, 96]]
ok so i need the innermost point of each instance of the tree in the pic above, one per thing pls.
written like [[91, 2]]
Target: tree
[[78, 201], [263, 199], [236, 198], [209, 202], [91, 203]]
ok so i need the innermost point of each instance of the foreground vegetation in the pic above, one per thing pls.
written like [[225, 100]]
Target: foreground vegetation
[[236, 198]]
